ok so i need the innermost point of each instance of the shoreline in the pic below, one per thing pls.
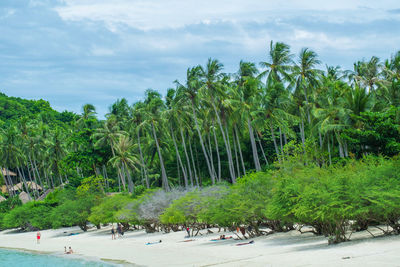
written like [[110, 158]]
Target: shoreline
[[74, 256], [280, 249]]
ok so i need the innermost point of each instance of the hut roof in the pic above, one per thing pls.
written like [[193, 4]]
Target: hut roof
[[31, 185], [2, 199], [4, 189], [4, 171], [24, 197]]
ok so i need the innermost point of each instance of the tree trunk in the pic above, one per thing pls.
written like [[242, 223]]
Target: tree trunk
[[253, 146], [236, 153], [275, 144], [217, 149], [187, 157], [179, 158], [22, 180], [240, 149], [281, 143], [202, 145], [210, 154], [194, 165], [303, 137], [262, 149], [329, 152], [130, 181], [34, 175], [164, 178], [224, 137], [232, 168], [142, 161]]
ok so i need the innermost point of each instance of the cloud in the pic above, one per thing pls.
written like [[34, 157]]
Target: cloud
[[74, 52]]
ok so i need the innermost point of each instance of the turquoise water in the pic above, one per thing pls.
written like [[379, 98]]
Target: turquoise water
[[11, 258]]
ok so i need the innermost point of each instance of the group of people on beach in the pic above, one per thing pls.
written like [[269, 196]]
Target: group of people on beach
[[120, 231], [69, 251]]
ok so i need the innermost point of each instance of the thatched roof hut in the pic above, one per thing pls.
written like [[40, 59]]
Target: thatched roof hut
[[4, 189], [24, 197], [31, 185], [2, 199], [4, 172]]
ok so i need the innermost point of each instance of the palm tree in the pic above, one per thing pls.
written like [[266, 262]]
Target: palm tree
[[368, 72], [190, 91], [214, 86], [137, 118], [107, 136], [279, 67], [153, 119], [125, 159], [305, 77], [247, 93]]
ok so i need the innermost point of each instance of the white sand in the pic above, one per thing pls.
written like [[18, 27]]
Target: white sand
[[281, 249]]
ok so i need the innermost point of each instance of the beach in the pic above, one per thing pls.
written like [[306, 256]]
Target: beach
[[280, 249]]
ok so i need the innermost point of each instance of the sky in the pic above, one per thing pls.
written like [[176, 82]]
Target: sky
[[74, 52]]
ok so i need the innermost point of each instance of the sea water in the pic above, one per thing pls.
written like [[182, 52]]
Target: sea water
[[10, 258]]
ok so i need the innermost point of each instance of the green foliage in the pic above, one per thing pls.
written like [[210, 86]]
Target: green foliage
[[376, 132], [73, 212], [31, 216], [92, 185], [108, 208]]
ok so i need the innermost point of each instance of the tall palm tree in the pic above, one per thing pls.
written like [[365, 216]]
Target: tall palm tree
[[305, 77], [190, 91], [125, 159], [247, 93], [153, 119], [280, 65], [214, 86]]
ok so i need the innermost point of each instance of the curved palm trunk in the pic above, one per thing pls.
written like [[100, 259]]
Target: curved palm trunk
[[210, 154], [236, 132], [194, 165], [262, 150], [227, 147], [253, 146], [275, 144], [142, 161], [164, 179], [202, 145], [187, 157], [218, 157], [185, 178], [22, 179], [230, 157], [131, 185], [236, 154]]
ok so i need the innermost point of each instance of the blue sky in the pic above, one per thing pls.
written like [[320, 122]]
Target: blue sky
[[73, 52]]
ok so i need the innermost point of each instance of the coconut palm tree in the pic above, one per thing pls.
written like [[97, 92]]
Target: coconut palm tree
[[305, 77], [189, 91], [280, 65], [153, 120], [125, 160]]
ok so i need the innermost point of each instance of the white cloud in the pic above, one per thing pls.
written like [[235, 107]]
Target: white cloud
[[158, 14]]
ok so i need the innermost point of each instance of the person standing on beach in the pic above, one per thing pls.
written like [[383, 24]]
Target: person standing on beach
[[38, 235], [119, 230], [188, 231], [113, 233]]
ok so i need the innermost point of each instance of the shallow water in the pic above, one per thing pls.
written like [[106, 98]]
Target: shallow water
[[25, 259]]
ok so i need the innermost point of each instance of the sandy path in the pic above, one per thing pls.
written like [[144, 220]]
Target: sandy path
[[282, 249]]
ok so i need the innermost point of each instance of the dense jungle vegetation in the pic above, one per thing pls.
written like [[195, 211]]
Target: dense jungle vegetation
[[274, 147]]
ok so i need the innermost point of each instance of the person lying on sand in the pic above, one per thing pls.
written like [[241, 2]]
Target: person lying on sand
[[222, 237], [152, 243], [246, 243]]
